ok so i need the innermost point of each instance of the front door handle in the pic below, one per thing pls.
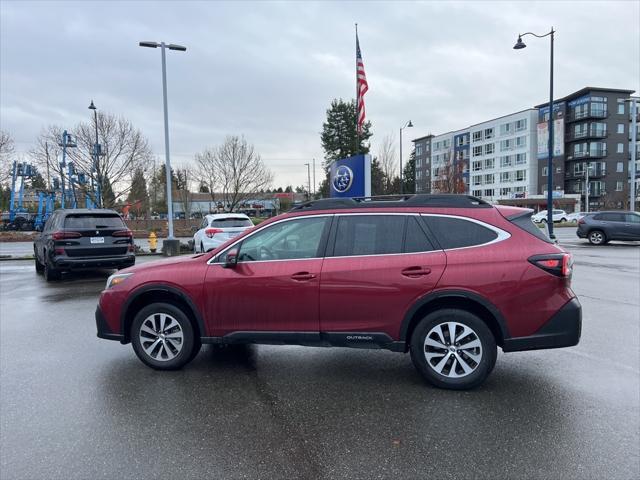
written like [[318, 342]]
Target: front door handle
[[303, 276], [416, 272]]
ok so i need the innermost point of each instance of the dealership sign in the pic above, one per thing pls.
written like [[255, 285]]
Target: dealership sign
[[351, 177]]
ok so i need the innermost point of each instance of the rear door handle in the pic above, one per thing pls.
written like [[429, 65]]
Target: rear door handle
[[416, 272], [302, 276]]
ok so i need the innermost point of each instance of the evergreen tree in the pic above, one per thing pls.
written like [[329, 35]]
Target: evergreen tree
[[138, 193], [378, 179], [108, 197], [202, 188], [409, 174], [38, 183], [339, 137]]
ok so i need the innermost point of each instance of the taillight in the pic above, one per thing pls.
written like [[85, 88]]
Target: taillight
[[210, 232], [62, 235], [558, 264], [581, 221], [123, 233]]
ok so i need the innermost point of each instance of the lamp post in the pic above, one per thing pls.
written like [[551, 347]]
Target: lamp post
[[406, 125], [518, 46], [633, 151], [96, 155], [163, 47], [308, 181]]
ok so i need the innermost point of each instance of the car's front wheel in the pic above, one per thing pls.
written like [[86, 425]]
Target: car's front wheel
[[453, 349], [597, 237], [163, 337]]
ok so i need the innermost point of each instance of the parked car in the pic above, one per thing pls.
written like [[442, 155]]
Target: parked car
[[83, 239], [575, 216], [448, 278], [216, 229], [558, 216], [602, 227]]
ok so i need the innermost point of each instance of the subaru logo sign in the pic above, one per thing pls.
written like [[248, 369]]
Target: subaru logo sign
[[342, 179]]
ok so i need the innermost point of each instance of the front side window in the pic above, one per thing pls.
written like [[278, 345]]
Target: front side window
[[452, 232], [292, 239], [369, 235]]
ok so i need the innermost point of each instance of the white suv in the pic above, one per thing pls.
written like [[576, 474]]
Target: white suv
[[217, 229], [558, 216]]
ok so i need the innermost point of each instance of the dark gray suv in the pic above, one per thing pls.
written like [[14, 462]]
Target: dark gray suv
[[83, 239], [601, 227]]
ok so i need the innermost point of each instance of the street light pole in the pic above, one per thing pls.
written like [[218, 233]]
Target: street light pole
[[518, 46], [163, 47], [308, 181], [406, 125], [96, 160]]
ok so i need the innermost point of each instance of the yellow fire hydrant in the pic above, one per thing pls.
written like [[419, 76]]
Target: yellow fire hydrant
[[153, 242]]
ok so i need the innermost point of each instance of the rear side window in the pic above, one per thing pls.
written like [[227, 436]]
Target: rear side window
[[369, 235], [415, 239], [457, 232], [610, 217], [93, 221], [231, 222]]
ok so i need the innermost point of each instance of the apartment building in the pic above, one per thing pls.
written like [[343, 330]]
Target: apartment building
[[422, 148]]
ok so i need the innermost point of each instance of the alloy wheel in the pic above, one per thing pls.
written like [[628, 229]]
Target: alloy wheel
[[452, 349], [161, 337], [596, 237]]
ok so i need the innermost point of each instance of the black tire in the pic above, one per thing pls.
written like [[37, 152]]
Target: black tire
[[39, 265], [597, 237], [189, 346], [202, 248], [479, 330], [51, 274]]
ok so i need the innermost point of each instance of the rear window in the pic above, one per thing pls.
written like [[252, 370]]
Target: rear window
[[93, 221], [525, 223], [231, 222], [457, 232]]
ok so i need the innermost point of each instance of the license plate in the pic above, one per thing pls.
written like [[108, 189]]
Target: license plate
[[97, 239]]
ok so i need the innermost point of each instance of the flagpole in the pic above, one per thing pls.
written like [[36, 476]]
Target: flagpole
[[357, 96]]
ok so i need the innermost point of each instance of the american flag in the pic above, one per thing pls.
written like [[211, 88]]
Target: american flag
[[362, 85]]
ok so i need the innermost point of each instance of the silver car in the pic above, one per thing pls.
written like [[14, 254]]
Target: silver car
[[218, 228]]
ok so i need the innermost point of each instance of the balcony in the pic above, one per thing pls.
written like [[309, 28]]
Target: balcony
[[590, 113], [593, 173], [589, 133], [595, 153]]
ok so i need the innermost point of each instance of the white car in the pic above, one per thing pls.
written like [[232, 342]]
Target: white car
[[558, 216], [575, 216], [216, 229]]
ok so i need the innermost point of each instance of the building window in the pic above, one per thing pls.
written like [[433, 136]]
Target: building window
[[505, 161], [489, 148], [488, 192], [505, 129], [418, 174], [521, 175], [621, 130], [521, 125], [506, 145], [620, 108], [418, 162], [505, 192], [619, 186], [620, 167], [446, 143], [477, 165], [521, 158], [477, 151], [489, 163], [418, 149], [488, 133], [598, 129], [488, 178], [477, 180], [521, 141], [545, 171], [477, 193], [477, 136], [620, 148], [505, 176]]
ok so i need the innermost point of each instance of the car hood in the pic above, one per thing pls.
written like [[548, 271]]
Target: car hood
[[163, 263]]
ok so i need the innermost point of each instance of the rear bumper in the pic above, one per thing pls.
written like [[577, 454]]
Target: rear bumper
[[71, 263], [562, 330], [103, 329]]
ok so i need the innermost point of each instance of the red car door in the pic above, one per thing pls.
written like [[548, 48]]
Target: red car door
[[379, 265], [275, 284]]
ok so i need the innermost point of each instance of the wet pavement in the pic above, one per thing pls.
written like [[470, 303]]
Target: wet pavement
[[73, 406]]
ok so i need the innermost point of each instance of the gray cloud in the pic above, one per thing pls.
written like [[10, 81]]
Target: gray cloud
[[269, 70]]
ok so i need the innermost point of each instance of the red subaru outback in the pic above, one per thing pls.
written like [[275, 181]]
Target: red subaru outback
[[445, 277]]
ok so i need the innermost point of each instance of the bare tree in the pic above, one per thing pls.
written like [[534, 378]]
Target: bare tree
[[387, 160], [238, 170], [7, 149], [47, 154], [207, 171], [450, 177]]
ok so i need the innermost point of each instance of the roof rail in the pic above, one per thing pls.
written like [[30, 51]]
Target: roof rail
[[386, 201]]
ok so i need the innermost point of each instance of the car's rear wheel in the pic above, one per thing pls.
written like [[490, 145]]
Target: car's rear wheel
[[597, 237], [38, 263], [163, 337], [51, 274], [453, 349]]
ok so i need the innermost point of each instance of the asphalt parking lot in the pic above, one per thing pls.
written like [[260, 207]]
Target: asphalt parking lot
[[76, 407]]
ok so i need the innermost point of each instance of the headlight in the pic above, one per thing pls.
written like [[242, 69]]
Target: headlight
[[117, 279]]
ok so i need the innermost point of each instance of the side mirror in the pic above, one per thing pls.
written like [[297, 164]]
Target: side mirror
[[232, 258]]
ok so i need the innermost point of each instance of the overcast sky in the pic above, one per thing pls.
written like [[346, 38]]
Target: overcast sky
[[269, 70]]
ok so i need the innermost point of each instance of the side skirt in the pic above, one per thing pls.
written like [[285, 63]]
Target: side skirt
[[368, 340]]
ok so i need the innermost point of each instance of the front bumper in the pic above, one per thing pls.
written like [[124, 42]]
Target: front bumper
[[71, 263], [103, 329], [562, 330]]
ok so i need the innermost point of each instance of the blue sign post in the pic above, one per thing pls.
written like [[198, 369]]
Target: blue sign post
[[351, 177]]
